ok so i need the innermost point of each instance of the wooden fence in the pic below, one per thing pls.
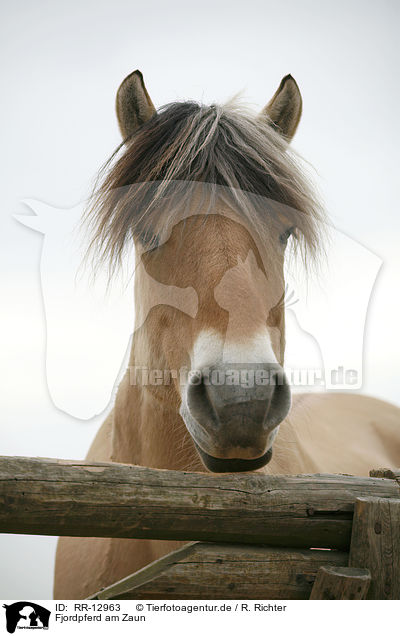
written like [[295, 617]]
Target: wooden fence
[[257, 536]]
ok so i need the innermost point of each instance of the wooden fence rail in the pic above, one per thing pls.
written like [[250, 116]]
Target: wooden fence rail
[[291, 517], [56, 497]]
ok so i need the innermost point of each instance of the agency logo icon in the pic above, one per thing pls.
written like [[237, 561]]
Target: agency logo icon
[[26, 615]]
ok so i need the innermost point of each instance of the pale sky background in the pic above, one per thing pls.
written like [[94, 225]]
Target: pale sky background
[[61, 66]]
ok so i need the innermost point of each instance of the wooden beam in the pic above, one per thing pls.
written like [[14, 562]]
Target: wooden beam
[[375, 544], [55, 497], [221, 571], [341, 584]]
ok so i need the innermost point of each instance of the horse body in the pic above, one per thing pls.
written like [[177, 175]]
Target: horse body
[[229, 320]]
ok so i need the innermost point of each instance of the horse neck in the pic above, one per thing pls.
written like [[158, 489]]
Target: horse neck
[[147, 427]]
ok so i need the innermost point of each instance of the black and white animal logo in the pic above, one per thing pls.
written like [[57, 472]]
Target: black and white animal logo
[[27, 615]]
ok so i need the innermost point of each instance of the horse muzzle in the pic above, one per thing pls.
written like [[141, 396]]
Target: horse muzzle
[[232, 413]]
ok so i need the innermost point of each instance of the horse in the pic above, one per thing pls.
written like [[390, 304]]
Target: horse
[[210, 197]]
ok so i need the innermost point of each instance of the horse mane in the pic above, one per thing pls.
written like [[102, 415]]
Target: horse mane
[[227, 149]]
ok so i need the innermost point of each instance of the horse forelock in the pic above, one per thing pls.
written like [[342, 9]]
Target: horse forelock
[[227, 149]]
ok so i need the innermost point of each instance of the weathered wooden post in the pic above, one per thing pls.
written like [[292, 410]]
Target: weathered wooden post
[[375, 540], [340, 584]]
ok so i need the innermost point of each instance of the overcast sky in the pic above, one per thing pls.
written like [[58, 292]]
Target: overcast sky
[[61, 66]]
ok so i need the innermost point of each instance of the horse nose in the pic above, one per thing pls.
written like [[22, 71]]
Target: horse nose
[[237, 407]]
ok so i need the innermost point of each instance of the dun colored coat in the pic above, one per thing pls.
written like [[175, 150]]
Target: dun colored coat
[[210, 196]]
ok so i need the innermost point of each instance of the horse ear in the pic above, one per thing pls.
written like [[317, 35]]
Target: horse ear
[[133, 104], [284, 109]]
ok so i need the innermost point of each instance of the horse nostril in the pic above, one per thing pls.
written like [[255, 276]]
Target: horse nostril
[[280, 403], [198, 401]]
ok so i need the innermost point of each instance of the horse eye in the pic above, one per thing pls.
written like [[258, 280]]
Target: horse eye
[[285, 236], [149, 240]]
